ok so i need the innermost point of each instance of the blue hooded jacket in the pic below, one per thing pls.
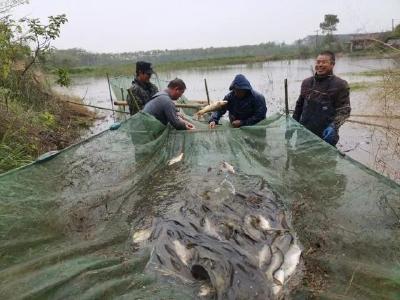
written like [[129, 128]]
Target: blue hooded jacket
[[249, 110]]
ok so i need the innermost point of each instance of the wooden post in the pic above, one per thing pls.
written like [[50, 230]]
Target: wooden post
[[111, 99], [123, 98], [208, 96], [286, 98]]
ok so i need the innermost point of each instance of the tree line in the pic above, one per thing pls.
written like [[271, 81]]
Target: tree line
[[76, 58], [80, 57]]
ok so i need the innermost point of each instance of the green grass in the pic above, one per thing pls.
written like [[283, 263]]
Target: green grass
[[34, 120], [358, 86], [13, 153], [376, 73], [371, 73], [128, 69]]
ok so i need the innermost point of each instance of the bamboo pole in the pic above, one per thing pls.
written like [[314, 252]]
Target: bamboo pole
[[98, 107], [123, 97], [208, 96], [373, 124], [205, 102], [111, 99], [376, 116], [286, 98], [123, 103], [187, 105], [182, 105]]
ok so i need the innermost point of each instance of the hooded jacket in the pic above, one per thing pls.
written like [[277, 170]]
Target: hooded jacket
[[249, 110]]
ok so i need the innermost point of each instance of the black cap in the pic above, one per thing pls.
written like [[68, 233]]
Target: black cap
[[144, 67]]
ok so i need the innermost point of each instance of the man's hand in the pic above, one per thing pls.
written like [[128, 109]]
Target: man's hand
[[212, 125], [328, 134], [236, 123], [189, 126]]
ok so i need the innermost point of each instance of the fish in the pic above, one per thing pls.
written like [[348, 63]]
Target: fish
[[261, 223], [278, 281], [279, 277], [141, 235], [288, 265], [277, 261], [205, 290], [209, 228], [292, 259], [264, 256], [183, 253], [235, 248], [226, 167], [249, 228], [211, 107], [283, 241], [175, 159]]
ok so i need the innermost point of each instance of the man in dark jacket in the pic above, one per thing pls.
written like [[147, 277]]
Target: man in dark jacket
[[142, 89], [163, 108], [246, 106], [324, 101]]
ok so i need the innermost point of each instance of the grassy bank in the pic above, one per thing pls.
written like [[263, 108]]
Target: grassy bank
[[360, 86], [128, 69], [35, 120]]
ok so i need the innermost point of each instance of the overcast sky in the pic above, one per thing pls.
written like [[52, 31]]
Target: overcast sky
[[130, 25]]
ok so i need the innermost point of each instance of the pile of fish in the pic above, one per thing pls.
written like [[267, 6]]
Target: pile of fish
[[229, 244]]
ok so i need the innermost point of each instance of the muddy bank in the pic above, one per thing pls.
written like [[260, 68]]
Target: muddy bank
[[38, 122]]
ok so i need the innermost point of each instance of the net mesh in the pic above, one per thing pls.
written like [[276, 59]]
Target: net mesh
[[68, 224]]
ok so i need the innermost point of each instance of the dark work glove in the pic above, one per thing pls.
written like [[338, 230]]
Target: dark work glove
[[328, 135]]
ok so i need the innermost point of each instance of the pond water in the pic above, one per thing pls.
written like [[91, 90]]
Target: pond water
[[360, 141]]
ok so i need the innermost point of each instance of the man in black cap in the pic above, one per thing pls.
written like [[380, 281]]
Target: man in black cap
[[142, 89]]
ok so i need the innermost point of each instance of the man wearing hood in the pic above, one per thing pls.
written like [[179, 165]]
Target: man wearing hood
[[324, 101], [246, 106], [142, 89]]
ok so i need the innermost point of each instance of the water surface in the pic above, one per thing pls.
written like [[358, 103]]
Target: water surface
[[360, 141]]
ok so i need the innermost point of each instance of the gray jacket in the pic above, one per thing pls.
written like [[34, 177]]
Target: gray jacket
[[163, 109]]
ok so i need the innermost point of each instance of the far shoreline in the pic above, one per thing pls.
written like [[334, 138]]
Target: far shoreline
[[126, 69]]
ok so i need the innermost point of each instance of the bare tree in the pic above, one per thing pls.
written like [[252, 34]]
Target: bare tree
[[6, 6]]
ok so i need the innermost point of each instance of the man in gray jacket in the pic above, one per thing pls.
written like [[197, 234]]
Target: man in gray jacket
[[163, 108]]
